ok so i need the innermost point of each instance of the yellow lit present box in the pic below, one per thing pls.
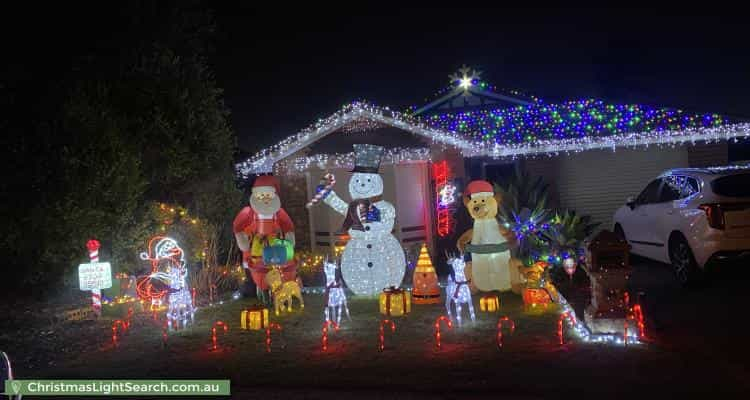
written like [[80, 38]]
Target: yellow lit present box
[[395, 302], [254, 318], [489, 303]]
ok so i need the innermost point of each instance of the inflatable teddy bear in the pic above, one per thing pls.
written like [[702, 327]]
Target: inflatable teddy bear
[[492, 267]]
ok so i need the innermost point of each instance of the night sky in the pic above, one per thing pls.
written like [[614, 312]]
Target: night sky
[[284, 66], [284, 69]]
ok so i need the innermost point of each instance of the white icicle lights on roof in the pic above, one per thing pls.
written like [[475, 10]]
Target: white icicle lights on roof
[[296, 165], [537, 129]]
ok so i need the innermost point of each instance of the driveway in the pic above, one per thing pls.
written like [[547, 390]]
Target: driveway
[[710, 322]]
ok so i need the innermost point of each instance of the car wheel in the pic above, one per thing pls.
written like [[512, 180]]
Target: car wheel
[[685, 268]]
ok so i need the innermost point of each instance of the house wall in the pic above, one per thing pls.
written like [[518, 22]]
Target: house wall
[[293, 200], [708, 154], [547, 168]]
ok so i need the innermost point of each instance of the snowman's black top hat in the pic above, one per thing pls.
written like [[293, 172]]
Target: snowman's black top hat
[[367, 158]]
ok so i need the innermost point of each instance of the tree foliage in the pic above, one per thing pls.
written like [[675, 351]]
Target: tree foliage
[[92, 149]]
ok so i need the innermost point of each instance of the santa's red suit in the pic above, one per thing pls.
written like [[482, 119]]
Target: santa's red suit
[[254, 230]]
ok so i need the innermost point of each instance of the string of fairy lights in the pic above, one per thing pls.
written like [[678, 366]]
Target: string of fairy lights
[[535, 129], [587, 118], [296, 165]]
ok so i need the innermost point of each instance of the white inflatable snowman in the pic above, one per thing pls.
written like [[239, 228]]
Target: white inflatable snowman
[[373, 258]]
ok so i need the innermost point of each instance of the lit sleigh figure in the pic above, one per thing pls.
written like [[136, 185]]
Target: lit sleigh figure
[[168, 279]]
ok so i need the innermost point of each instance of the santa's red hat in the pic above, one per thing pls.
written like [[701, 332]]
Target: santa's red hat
[[266, 183], [482, 188]]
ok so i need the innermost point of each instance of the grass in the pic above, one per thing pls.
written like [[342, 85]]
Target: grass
[[531, 363], [355, 344]]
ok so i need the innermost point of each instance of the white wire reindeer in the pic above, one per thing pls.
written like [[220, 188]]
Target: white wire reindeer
[[334, 294], [457, 291]]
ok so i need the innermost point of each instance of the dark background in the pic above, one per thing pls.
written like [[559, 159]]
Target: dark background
[[285, 65], [283, 69]]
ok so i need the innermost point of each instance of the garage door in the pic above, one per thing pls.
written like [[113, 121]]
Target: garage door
[[597, 182]]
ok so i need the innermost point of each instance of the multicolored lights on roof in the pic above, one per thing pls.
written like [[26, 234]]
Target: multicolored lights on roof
[[529, 124]]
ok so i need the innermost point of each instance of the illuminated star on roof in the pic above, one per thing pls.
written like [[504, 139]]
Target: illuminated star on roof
[[465, 77]]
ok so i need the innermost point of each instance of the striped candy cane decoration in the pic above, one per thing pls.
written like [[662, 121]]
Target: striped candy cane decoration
[[331, 179], [96, 294]]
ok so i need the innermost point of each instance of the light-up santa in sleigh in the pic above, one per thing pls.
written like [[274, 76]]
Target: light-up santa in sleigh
[[167, 280]]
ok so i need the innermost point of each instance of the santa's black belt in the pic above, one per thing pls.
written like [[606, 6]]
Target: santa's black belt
[[487, 248]]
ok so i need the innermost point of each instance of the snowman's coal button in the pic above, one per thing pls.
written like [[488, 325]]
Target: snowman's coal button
[[369, 264], [367, 228], [369, 246]]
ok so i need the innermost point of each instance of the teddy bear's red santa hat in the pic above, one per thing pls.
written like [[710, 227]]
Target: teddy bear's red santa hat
[[479, 188]]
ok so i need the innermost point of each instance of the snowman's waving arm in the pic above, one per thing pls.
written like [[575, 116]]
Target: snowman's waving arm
[[333, 200]]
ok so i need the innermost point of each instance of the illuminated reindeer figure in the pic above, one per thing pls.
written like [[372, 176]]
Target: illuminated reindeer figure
[[457, 291], [334, 294]]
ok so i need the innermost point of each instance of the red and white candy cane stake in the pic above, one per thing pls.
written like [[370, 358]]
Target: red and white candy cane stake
[[500, 322], [324, 337], [331, 179], [117, 324], [271, 326], [560, 333], [128, 318], [448, 323], [213, 332], [164, 332], [96, 294], [638, 316], [381, 337]]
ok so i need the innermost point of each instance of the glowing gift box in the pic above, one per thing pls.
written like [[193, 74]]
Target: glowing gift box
[[536, 296], [489, 303], [395, 302], [278, 253], [254, 318]]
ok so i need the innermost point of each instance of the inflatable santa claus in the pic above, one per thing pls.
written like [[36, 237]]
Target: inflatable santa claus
[[265, 234]]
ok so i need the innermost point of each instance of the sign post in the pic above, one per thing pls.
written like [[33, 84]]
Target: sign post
[[95, 276]]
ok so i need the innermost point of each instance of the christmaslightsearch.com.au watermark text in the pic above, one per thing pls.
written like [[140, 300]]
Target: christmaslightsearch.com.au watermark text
[[117, 387]]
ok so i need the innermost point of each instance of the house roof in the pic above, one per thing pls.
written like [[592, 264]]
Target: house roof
[[522, 130], [467, 90], [472, 96]]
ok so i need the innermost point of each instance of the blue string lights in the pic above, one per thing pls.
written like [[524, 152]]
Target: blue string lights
[[527, 124]]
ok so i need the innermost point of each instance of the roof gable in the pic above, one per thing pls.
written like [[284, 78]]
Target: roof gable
[[351, 114], [467, 90]]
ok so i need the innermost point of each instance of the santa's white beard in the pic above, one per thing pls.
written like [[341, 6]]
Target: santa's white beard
[[261, 207]]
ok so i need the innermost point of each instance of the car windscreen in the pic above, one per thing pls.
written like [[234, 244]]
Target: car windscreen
[[732, 185]]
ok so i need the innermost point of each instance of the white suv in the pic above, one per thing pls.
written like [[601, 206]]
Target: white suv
[[690, 217]]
